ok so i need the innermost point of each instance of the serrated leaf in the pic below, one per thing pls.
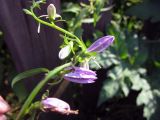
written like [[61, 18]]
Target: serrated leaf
[[110, 89], [27, 74], [147, 99], [124, 88]]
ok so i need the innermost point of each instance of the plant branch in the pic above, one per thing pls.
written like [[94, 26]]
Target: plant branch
[[35, 91], [52, 25]]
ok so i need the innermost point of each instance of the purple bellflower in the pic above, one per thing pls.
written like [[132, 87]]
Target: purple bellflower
[[57, 105], [80, 75], [101, 44]]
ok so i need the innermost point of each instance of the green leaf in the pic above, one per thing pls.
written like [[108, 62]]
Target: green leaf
[[78, 32], [157, 64], [27, 74], [150, 8], [124, 88], [109, 89], [73, 8], [35, 91], [147, 98], [20, 91]]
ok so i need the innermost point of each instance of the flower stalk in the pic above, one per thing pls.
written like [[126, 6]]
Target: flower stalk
[[52, 25], [75, 74], [40, 85]]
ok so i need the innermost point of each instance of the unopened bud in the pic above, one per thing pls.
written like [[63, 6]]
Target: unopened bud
[[57, 105], [101, 44], [65, 51], [51, 11]]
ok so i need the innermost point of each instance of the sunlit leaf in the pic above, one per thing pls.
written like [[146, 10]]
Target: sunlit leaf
[[109, 89]]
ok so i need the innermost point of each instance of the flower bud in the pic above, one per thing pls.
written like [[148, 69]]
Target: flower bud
[[101, 44], [64, 52], [51, 11], [57, 105]]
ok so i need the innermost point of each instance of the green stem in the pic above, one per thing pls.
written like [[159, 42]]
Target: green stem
[[52, 25], [35, 91]]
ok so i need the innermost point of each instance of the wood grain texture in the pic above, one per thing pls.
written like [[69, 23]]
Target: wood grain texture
[[28, 48]]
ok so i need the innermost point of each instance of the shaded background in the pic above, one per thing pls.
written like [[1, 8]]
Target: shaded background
[[28, 49]]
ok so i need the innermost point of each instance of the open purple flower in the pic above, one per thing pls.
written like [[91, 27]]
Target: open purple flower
[[101, 44], [57, 105], [81, 75]]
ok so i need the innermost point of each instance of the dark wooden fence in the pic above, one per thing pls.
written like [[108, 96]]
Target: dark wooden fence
[[28, 48]]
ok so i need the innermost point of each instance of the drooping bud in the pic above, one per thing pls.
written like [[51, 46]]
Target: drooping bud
[[51, 11], [65, 51], [57, 105]]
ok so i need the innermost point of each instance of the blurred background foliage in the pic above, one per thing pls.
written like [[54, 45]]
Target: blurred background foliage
[[132, 64]]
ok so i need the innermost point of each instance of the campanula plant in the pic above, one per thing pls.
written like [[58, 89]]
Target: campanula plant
[[76, 70]]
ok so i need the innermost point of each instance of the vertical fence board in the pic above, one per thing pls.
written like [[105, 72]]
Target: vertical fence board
[[28, 48]]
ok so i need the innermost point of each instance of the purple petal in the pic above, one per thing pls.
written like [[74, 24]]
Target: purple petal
[[84, 71], [50, 103], [101, 44], [80, 77]]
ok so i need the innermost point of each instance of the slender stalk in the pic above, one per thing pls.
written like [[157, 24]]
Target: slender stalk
[[52, 25], [35, 91]]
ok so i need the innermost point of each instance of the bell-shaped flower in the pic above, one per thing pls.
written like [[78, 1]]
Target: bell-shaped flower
[[81, 75], [57, 105], [101, 44]]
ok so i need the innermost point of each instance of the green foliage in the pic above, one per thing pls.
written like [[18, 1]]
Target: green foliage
[[18, 87], [77, 14], [126, 60], [51, 74], [149, 9], [27, 74]]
